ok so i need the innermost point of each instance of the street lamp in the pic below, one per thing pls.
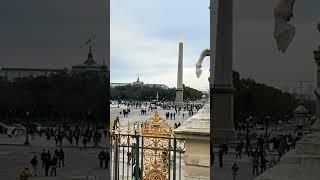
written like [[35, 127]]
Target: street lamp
[[247, 133], [267, 119], [27, 129]]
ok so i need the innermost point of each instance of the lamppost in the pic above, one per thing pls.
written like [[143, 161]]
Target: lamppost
[[27, 129], [247, 133], [267, 119]]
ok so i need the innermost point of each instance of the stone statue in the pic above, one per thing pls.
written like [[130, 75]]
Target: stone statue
[[284, 31], [204, 53]]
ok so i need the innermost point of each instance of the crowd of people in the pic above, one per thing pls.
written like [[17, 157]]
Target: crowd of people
[[48, 163], [265, 154], [104, 159], [73, 135]]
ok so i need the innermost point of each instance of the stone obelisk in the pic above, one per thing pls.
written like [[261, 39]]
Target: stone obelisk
[[221, 85], [179, 91]]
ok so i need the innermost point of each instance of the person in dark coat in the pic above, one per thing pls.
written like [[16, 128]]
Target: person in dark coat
[[101, 158], [43, 156], [61, 157], [235, 168], [221, 152], [107, 159], [34, 163], [54, 163], [47, 164]]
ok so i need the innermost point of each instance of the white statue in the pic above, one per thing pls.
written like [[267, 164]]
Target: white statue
[[284, 31], [204, 53]]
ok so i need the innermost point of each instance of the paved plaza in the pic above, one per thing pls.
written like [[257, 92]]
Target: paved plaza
[[135, 115], [83, 164], [79, 164]]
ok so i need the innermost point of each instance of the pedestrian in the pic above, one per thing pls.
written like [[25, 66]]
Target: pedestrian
[[54, 163], [47, 164], [56, 140], [61, 157], [221, 157], [56, 153], [238, 151], [43, 156], [101, 158], [84, 141], [235, 168], [25, 174], [34, 163], [129, 155], [133, 152], [263, 164], [107, 159], [255, 165]]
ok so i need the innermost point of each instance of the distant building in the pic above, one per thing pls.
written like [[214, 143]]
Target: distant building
[[10, 74], [88, 67], [139, 83]]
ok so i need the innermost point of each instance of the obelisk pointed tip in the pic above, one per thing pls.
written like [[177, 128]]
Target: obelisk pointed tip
[[181, 40]]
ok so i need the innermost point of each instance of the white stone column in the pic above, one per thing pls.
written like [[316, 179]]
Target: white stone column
[[179, 91]]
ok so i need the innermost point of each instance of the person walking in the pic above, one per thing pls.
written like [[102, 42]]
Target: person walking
[[129, 155], [54, 162], [34, 163], [84, 141], [61, 157], [43, 156], [47, 164], [255, 165], [106, 160], [221, 152], [235, 169], [263, 164], [238, 151], [101, 158]]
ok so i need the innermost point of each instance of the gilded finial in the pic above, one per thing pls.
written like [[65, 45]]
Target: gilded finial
[[129, 129], [138, 130], [181, 40], [119, 127], [111, 127]]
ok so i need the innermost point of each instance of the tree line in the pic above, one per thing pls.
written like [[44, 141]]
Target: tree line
[[147, 93], [59, 96]]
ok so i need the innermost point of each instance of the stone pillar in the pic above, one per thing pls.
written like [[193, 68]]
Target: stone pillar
[[196, 133], [221, 90], [316, 125], [179, 91]]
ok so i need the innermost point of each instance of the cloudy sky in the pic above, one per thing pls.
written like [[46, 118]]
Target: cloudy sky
[[50, 34], [145, 35]]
